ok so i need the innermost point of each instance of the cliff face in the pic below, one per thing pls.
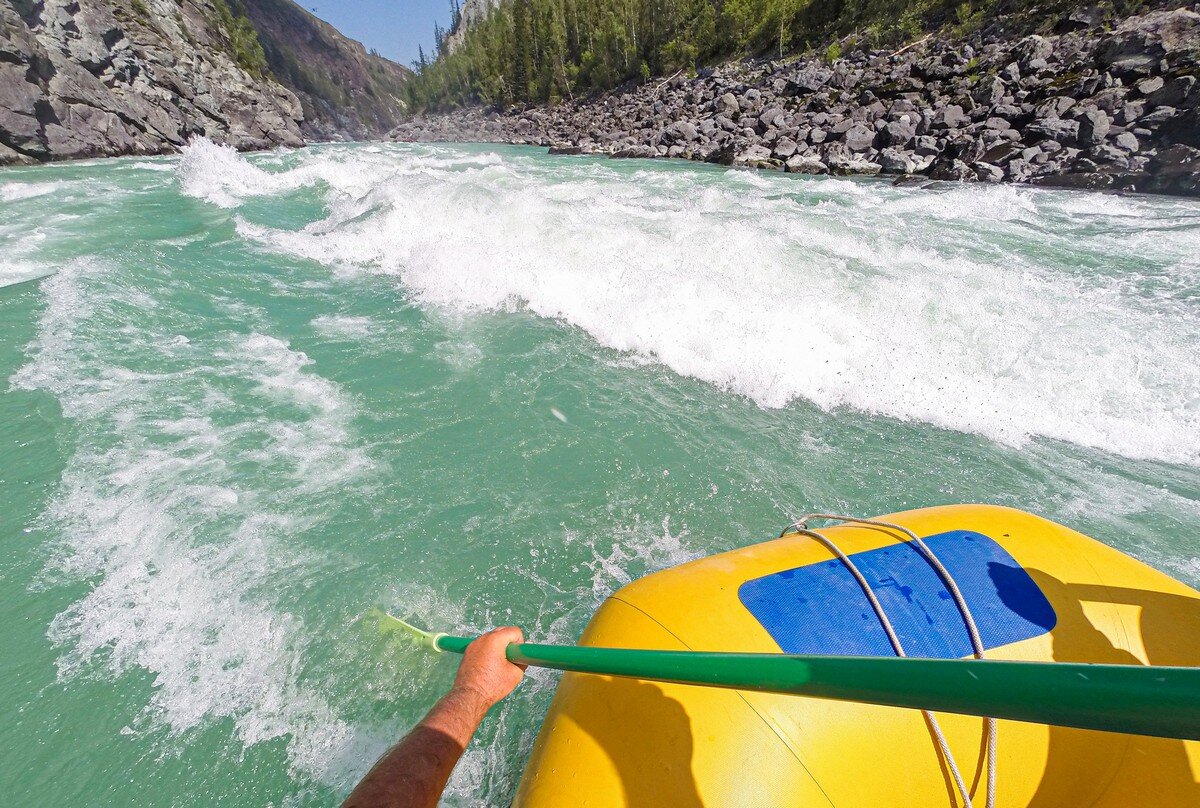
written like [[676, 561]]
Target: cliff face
[[345, 91], [85, 78], [471, 13], [89, 78]]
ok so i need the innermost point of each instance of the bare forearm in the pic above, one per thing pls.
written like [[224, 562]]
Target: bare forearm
[[413, 772]]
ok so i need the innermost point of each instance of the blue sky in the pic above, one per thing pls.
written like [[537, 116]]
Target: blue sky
[[392, 27]]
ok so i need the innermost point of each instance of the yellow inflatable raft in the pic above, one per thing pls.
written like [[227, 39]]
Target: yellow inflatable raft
[[1037, 590]]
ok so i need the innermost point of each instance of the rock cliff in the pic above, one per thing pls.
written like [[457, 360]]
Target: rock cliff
[[470, 14], [89, 78]]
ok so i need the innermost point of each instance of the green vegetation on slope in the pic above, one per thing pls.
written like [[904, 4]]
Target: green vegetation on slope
[[243, 42], [544, 50]]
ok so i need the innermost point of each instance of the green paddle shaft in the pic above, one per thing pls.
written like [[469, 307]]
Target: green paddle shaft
[[1160, 701]]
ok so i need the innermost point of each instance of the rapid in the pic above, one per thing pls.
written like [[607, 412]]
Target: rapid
[[246, 399]]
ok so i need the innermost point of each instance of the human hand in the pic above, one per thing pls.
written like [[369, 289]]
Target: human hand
[[484, 671]]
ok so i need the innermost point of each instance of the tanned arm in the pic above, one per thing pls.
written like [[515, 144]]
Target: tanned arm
[[413, 773]]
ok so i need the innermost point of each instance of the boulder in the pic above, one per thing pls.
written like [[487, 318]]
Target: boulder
[[680, 132], [900, 132], [1126, 141], [988, 91], [986, 172], [859, 138], [954, 170], [1158, 116], [1001, 153], [1184, 128], [951, 116], [1138, 44], [772, 117], [897, 161], [1033, 48], [1093, 127], [753, 156], [1054, 107], [805, 164], [785, 147], [636, 151], [1175, 93], [1054, 129]]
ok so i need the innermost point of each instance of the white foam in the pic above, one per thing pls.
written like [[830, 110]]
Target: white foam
[[218, 174], [949, 307], [12, 272], [181, 559], [339, 325], [19, 191]]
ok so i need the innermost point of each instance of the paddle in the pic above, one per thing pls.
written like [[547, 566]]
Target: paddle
[[1159, 701]]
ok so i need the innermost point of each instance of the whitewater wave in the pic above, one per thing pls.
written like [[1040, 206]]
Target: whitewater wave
[[220, 175], [18, 191], [993, 310], [164, 511]]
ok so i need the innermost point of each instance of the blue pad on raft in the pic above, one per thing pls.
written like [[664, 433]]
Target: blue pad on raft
[[821, 609]]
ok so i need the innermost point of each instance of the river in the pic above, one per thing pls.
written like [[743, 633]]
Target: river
[[247, 399]]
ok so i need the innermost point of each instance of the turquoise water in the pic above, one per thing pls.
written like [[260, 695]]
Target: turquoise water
[[250, 398]]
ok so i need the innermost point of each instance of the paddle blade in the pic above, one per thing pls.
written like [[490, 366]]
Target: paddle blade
[[397, 629]]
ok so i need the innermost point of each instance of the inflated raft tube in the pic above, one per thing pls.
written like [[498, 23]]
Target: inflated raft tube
[[1037, 591]]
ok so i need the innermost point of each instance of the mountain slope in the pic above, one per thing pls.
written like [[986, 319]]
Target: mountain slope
[[345, 91]]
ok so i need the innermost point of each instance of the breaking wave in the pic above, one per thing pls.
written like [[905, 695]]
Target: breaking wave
[[1007, 312]]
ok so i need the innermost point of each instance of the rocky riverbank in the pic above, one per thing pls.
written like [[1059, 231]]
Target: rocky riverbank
[[1085, 106]]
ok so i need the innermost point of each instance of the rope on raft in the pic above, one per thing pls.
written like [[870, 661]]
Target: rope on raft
[[800, 526]]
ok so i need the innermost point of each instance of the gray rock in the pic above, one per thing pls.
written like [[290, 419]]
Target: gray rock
[[753, 156], [953, 170], [1054, 107], [728, 105], [1127, 141], [897, 161], [807, 81], [1138, 44], [772, 117], [785, 147], [1034, 48], [1093, 127], [1149, 85], [853, 166], [76, 83], [1054, 129], [1001, 153], [986, 172], [1019, 171], [950, 117], [859, 137], [988, 91], [681, 132], [926, 145], [805, 164], [1184, 128], [9, 157], [1159, 116], [1174, 93], [899, 132], [635, 152]]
